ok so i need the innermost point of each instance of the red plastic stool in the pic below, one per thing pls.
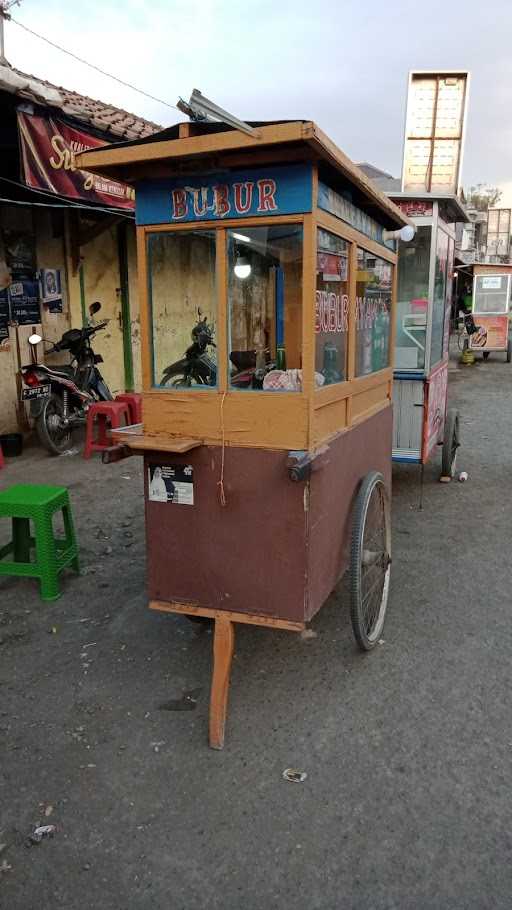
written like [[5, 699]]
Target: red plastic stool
[[100, 415], [134, 402]]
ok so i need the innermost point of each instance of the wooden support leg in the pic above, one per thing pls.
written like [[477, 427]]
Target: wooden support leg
[[223, 646]]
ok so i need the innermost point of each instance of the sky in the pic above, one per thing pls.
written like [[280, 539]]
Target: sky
[[342, 64]]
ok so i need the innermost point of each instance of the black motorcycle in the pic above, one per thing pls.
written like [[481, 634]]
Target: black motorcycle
[[60, 395], [196, 367]]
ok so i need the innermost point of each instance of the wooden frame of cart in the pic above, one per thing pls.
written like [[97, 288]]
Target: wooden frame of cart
[[267, 441], [424, 295]]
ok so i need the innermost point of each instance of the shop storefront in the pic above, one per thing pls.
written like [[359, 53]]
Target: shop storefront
[[66, 238]]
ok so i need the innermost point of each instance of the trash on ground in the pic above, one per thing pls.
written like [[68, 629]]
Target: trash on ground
[[156, 746], [48, 811], [296, 777], [187, 702], [308, 634], [5, 867], [382, 641], [463, 476], [42, 831]]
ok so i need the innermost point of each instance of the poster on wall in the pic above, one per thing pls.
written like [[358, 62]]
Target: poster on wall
[[4, 319], [20, 253], [171, 484], [24, 300], [51, 290]]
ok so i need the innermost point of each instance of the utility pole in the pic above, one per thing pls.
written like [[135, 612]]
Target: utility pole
[[5, 6]]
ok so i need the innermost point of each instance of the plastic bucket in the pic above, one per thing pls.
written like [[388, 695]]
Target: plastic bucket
[[12, 444]]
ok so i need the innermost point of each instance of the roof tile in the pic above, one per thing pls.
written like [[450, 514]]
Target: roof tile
[[105, 117]]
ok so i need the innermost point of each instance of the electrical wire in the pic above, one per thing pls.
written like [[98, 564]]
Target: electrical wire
[[43, 205], [68, 204], [92, 65]]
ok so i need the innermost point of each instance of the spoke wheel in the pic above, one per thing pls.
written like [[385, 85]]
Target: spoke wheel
[[53, 436], [178, 381], [370, 561]]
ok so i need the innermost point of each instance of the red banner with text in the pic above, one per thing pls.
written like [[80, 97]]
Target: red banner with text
[[48, 149]]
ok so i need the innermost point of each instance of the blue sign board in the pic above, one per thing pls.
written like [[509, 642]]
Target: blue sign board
[[234, 194]]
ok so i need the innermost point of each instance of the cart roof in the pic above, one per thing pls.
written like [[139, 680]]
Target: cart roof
[[452, 209], [179, 149], [505, 267]]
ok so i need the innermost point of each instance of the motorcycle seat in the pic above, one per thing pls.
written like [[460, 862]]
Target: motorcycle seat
[[62, 369]]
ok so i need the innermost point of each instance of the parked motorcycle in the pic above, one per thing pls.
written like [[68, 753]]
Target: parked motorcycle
[[198, 368], [60, 395]]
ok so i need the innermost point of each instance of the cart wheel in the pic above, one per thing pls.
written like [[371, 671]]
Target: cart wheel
[[485, 355], [451, 443], [509, 350], [370, 561]]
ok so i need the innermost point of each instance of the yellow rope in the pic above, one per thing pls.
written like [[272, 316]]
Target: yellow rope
[[220, 483]]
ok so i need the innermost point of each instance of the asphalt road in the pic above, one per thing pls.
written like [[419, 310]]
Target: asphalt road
[[408, 750]]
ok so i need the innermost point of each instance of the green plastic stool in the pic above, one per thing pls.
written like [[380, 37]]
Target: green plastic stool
[[22, 503]]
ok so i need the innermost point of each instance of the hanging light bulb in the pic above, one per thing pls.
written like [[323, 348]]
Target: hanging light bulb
[[242, 267]]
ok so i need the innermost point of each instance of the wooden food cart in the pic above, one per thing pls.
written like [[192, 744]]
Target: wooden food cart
[[491, 293], [424, 297], [267, 440]]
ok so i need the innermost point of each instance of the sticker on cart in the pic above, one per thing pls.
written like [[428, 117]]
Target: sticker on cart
[[491, 334], [171, 483], [491, 283]]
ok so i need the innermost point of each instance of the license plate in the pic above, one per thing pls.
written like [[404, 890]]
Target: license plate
[[37, 391]]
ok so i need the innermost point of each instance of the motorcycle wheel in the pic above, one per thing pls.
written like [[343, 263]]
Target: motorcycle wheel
[[177, 381], [54, 439]]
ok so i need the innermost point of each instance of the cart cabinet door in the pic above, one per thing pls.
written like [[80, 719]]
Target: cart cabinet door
[[408, 401]]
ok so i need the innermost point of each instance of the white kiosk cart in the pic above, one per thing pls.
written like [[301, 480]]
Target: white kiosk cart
[[492, 287], [424, 294]]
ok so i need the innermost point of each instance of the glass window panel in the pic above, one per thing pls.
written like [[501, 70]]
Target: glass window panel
[[373, 312], [331, 322], [439, 304], [265, 307], [412, 300], [183, 306], [491, 294], [449, 299]]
